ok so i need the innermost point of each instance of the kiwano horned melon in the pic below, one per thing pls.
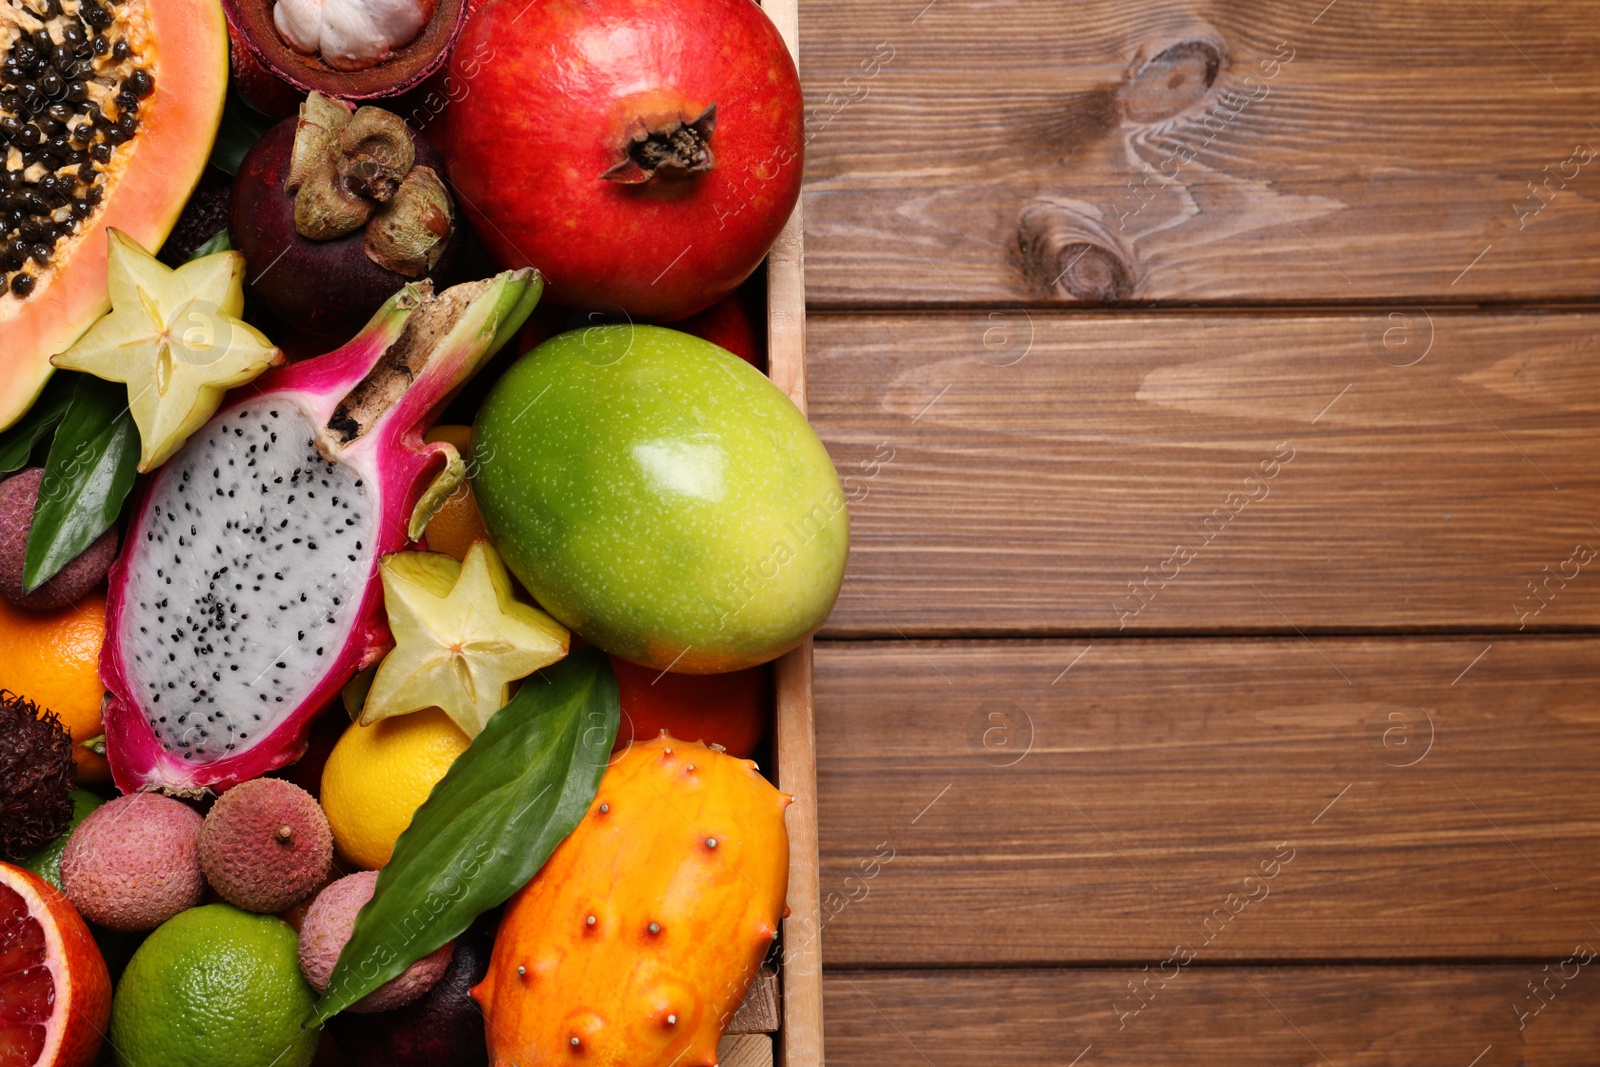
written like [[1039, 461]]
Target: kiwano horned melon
[[638, 940], [107, 115]]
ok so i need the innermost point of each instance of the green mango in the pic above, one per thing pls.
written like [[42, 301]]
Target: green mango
[[661, 497]]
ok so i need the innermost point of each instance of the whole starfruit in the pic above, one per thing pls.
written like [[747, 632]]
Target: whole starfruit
[[637, 941]]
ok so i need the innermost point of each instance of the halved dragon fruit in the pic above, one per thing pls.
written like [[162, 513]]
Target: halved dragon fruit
[[247, 595]]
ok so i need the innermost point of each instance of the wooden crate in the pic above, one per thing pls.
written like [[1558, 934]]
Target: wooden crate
[[799, 1038]]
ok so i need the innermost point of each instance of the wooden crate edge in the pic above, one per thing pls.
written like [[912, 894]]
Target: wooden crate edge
[[800, 1039]]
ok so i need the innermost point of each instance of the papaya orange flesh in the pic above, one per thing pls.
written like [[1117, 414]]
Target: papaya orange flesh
[[142, 179], [639, 938]]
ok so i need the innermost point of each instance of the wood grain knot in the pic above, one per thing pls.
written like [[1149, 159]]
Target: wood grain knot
[[1173, 80], [1064, 252]]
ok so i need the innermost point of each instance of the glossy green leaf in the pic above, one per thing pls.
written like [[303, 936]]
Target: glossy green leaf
[[242, 126], [92, 465], [488, 826], [218, 242], [17, 443]]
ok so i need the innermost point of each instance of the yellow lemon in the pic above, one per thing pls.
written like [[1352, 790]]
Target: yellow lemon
[[379, 775]]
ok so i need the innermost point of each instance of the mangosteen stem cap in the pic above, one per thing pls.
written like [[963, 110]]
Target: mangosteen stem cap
[[352, 170]]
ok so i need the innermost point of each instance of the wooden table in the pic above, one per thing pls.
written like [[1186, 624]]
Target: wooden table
[[1217, 675]]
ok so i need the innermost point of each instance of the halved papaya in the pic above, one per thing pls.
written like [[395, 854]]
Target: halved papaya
[[108, 111]]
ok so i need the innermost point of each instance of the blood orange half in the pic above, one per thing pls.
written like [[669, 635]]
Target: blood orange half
[[55, 993]]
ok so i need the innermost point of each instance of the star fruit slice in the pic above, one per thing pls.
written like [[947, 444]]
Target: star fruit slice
[[461, 638], [175, 339]]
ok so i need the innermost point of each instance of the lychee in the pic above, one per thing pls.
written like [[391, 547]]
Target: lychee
[[443, 1026], [19, 495], [133, 863], [265, 845], [328, 925]]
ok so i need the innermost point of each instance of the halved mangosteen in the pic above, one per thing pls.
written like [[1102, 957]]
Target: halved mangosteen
[[349, 49]]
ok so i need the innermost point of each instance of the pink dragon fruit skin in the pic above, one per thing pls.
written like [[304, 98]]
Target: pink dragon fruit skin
[[224, 602]]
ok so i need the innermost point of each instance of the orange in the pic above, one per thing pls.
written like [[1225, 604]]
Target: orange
[[55, 993], [720, 709], [458, 523], [53, 659]]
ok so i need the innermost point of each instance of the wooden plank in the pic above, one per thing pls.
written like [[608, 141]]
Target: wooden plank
[[759, 1013], [1254, 152], [745, 1050], [1032, 803], [1012, 473], [1230, 1017]]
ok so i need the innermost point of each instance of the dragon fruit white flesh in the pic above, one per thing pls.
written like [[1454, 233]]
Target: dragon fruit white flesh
[[247, 594]]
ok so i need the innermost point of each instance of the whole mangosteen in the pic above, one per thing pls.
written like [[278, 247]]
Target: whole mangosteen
[[336, 209]]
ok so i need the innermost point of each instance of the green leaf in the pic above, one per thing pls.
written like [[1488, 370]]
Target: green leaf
[[16, 444], [92, 465], [242, 126], [488, 826], [218, 242]]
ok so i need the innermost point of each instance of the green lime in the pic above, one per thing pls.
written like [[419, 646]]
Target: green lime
[[214, 987], [46, 863]]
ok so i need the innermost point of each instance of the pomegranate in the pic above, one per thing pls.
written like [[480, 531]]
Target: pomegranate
[[643, 154]]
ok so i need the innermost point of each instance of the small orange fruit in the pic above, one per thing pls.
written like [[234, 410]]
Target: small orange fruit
[[720, 709], [53, 659], [457, 524]]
